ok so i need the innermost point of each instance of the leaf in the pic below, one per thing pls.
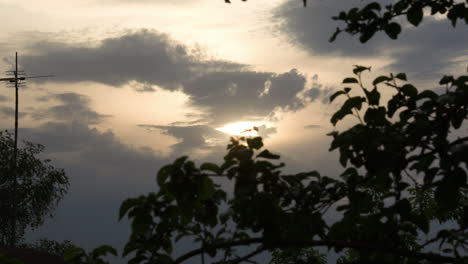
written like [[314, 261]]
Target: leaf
[[125, 206], [401, 76], [375, 116], [415, 15], [103, 250], [400, 5], [163, 174], [255, 143], [421, 222], [350, 80], [409, 90], [267, 155], [367, 34], [73, 254], [457, 11], [164, 259], [380, 79], [428, 94], [372, 6], [446, 80], [373, 97], [335, 34], [393, 30], [335, 95], [358, 69], [447, 194], [423, 164], [142, 222], [403, 207], [206, 189], [346, 109], [207, 166]]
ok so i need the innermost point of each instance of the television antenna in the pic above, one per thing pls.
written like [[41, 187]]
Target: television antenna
[[18, 78]]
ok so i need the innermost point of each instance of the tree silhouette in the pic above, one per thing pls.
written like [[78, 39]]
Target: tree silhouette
[[40, 187], [401, 172]]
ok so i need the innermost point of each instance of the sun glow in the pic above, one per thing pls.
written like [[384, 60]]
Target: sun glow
[[240, 128]]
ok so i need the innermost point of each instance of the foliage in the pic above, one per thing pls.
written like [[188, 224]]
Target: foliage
[[298, 256], [76, 255], [40, 187], [405, 169], [374, 17], [4, 259], [51, 247]]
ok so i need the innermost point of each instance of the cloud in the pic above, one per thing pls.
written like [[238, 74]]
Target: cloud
[[424, 52], [72, 107], [191, 137], [237, 95], [145, 88], [228, 91], [146, 56], [312, 126], [310, 28], [9, 112], [430, 49], [103, 172]]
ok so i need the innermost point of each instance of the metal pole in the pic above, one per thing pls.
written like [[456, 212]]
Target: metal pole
[[15, 153]]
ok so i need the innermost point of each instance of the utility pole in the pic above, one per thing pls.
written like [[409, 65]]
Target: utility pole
[[16, 79], [15, 153]]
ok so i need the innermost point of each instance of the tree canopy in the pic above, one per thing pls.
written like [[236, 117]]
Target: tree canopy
[[40, 187], [402, 172]]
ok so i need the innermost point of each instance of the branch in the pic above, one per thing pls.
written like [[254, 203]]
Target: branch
[[246, 257], [316, 243], [243, 242], [456, 142]]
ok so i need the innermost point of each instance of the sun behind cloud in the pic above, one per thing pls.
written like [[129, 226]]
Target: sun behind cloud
[[242, 128]]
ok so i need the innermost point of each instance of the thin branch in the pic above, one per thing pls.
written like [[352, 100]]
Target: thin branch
[[429, 242], [246, 257], [243, 242], [316, 243], [456, 142], [411, 178]]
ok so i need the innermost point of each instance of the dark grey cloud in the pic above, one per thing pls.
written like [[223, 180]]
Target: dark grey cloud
[[72, 107], [312, 126], [430, 49], [423, 52], [145, 88], [103, 172], [229, 91], [9, 112], [147, 56], [311, 28], [233, 96], [191, 137]]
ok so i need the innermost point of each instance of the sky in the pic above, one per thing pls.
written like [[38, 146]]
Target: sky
[[139, 83]]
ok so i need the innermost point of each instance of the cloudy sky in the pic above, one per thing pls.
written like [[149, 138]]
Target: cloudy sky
[[140, 82]]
